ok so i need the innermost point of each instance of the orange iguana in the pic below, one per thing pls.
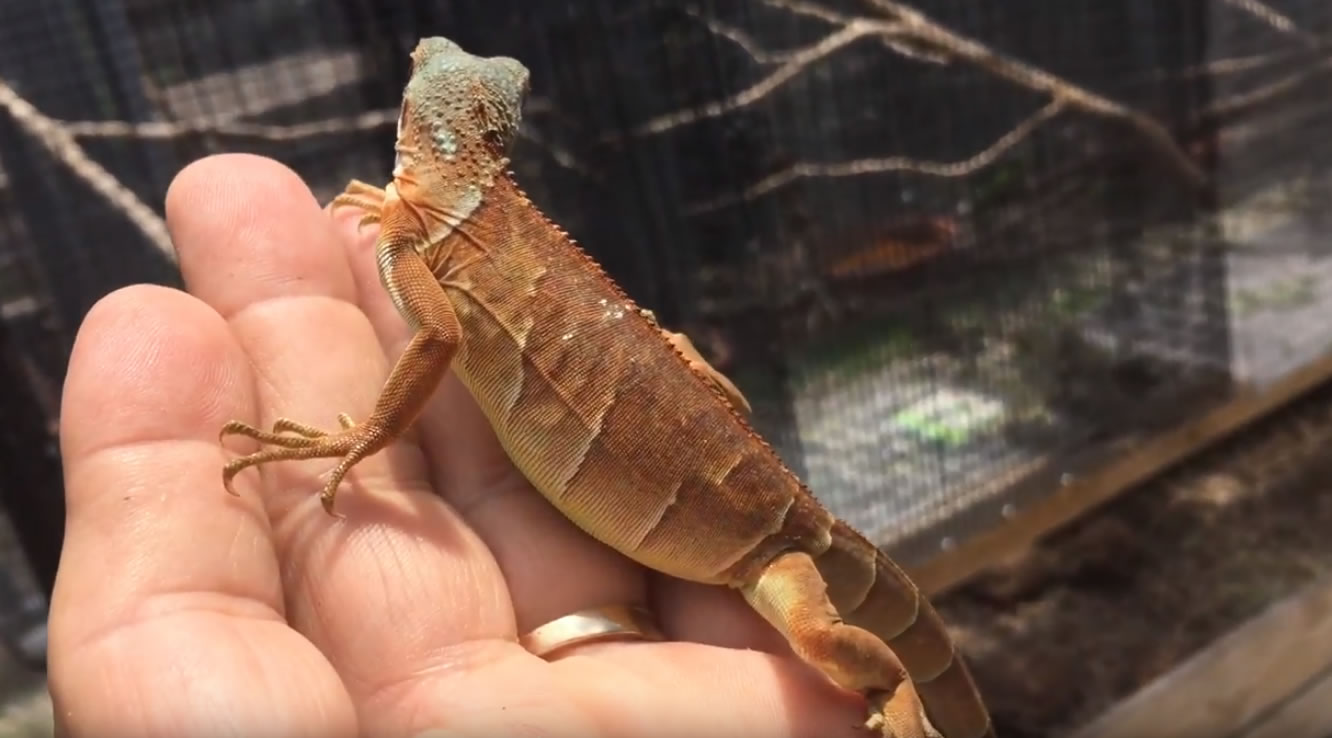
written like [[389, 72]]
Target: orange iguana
[[591, 399]]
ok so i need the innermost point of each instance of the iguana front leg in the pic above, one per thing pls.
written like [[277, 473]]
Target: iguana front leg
[[421, 299], [362, 196], [791, 595]]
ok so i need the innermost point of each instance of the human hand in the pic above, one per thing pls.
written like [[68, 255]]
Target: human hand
[[180, 610]]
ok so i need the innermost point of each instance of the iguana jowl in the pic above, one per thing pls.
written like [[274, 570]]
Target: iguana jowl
[[620, 424]]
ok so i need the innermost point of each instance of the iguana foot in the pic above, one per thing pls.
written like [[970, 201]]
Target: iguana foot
[[362, 196], [899, 715], [293, 440]]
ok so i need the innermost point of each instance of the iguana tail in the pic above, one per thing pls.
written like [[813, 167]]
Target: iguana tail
[[871, 592]]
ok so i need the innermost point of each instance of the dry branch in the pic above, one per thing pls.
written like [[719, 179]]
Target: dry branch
[[927, 31], [174, 129], [1272, 17], [1233, 106], [795, 63], [62, 146], [911, 34], [368, 121], [856, 167]]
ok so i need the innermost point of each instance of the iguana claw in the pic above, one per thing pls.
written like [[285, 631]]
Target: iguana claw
[[295, 440], [362, 196]]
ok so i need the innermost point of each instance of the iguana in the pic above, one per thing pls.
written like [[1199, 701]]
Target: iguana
[[621, 424]]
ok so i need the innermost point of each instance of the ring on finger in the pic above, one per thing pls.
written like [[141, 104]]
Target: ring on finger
[[596, 624]]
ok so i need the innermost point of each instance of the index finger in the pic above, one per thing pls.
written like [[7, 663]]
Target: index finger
[[160, 574]]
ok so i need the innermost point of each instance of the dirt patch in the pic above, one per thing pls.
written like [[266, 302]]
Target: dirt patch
[[1118, 599]]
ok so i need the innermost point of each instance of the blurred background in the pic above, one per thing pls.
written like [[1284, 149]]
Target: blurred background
[[1034, 293]]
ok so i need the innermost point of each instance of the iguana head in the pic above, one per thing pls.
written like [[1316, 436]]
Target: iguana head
[[459, 108], [460, 113]]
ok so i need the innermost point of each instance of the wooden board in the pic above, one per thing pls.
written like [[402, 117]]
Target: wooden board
[[1307, 715], [1269, 677]]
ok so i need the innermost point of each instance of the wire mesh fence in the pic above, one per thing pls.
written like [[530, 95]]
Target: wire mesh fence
[[939, 244], [936, 244]]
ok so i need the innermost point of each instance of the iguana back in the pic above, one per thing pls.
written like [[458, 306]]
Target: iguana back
[[603, 415]]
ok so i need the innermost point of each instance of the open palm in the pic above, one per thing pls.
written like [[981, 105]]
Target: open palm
[[182, 611]]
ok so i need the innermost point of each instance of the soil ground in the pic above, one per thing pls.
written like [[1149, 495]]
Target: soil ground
[[1102, 608]]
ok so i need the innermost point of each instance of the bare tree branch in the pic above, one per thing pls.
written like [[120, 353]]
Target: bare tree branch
[[796, 63], [1272, 17], [367, 121], [62, 146], [738, 37], [175, 129], [856, 167], [832, 17], [1232, 65], [1234, 105], [911, 33], [926, 30], [811, 10]]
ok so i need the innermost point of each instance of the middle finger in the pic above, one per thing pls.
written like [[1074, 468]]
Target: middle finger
[[366, 589]]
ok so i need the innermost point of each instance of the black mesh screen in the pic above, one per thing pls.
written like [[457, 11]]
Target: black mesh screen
[[936, 244]]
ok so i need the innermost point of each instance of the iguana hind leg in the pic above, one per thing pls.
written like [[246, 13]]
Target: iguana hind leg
[[686, 348], [792, 596], [682, 344]]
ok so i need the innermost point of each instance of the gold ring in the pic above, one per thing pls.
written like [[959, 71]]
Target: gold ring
[[612, 622]]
